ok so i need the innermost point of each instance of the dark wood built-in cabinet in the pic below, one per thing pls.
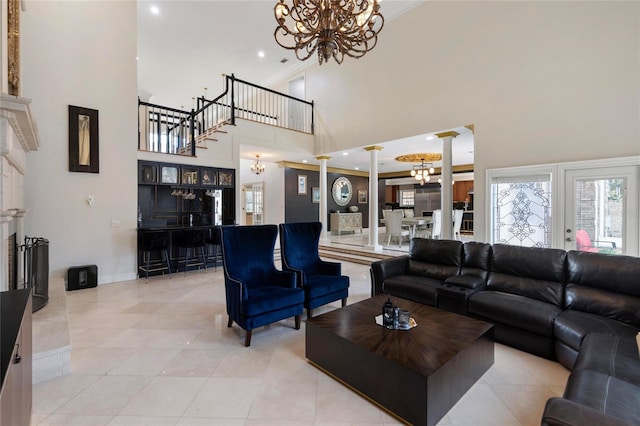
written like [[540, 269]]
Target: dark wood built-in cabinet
[[15, 357], [179, 197], [157, 206]]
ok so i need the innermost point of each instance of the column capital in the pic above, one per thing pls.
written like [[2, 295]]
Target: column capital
[[373, 148], [323, 157], [471, 127], [447, 134]]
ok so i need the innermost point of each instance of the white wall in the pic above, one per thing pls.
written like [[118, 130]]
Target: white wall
[[83, 54], [542, 82]]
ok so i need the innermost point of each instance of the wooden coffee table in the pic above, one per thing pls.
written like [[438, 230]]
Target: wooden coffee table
[[418, 374]]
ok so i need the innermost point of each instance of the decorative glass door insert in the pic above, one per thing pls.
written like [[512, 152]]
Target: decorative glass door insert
[[521, 210]]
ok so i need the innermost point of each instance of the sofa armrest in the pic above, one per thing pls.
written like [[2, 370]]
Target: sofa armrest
[[563, 412], [386, 268]]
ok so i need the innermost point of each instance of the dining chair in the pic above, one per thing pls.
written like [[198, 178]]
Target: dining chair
[[457, 223], [394, 227], [436, 224]]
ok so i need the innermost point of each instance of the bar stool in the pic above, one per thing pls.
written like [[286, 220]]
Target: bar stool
[[214, 242], [151, 241], [191, 240]]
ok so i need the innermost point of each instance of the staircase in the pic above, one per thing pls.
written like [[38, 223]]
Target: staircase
[[210, 133], [172, 131], [361, 257]]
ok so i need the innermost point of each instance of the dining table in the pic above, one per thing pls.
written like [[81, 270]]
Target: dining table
[[412, 223]]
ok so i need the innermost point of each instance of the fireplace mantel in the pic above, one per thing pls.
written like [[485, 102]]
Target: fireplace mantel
[[18, 136], [17, 111]]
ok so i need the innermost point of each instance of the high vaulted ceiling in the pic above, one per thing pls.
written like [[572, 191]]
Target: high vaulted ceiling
[[187, 46]]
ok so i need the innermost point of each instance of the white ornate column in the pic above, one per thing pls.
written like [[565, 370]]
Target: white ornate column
[[322, 215], [447, 178], [373, 198]]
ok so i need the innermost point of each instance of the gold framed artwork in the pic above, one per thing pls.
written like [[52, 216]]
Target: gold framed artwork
[[83, 140]]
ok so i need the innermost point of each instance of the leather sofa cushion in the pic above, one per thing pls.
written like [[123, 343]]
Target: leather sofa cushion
[[475, 259], [436, 259], [466, 281], [615, 356], [604, 393], [562, 412], [618, 274], [537, 273], [419, 289], [515, 311], [617, 306], [572, 326]]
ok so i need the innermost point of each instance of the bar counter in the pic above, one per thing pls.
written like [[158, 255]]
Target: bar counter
[[213, 252]]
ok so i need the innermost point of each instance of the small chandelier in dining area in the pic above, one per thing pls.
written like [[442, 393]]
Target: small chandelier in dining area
[[334, 28], [258, 166], [422, 172]]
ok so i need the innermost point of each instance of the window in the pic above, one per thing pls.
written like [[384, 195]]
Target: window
[[407, 198], [521, 210]]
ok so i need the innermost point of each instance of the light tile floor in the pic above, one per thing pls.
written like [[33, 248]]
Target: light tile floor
[[158, 352]]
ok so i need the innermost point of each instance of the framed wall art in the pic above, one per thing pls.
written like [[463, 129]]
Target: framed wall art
[[169, 175], [362, 196], [315, 194], [83, 140], [302, 185], [225, 178]]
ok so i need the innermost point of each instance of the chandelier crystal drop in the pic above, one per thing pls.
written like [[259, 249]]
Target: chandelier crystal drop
[[257, 167], [333, 28]]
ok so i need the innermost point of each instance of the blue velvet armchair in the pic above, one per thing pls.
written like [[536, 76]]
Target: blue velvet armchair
[[257, 293], [322, 281]]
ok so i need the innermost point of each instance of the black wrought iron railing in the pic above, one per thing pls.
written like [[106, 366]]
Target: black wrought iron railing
[[168, 130]]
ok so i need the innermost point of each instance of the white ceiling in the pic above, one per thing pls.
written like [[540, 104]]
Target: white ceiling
[[188, 45]]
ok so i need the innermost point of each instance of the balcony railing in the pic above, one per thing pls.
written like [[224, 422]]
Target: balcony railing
[[168, 130]]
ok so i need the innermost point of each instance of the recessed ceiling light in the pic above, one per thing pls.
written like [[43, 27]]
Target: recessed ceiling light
[[155, 10], [304, 161], [345, 153], [356, 168], [430, 137], [261, 53], [137, 58]]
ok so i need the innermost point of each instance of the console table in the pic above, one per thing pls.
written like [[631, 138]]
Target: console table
[[345, 222]]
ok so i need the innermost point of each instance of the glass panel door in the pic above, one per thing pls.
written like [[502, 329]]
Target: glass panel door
[[599, 210], [258, 203]]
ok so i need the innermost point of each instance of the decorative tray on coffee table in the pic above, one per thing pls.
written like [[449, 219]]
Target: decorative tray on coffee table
[[412, 323]]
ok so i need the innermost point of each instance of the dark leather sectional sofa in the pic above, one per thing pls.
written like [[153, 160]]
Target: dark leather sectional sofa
[[580, 308]]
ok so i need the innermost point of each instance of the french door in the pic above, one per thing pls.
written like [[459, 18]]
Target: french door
[[253, 203], [601, 210]]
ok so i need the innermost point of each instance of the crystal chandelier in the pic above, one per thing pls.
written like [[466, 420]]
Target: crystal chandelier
[[257, 167], [332, 27], [421, 172]]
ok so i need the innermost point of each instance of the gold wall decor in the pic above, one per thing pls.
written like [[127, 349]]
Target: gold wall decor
[[13, 47]]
